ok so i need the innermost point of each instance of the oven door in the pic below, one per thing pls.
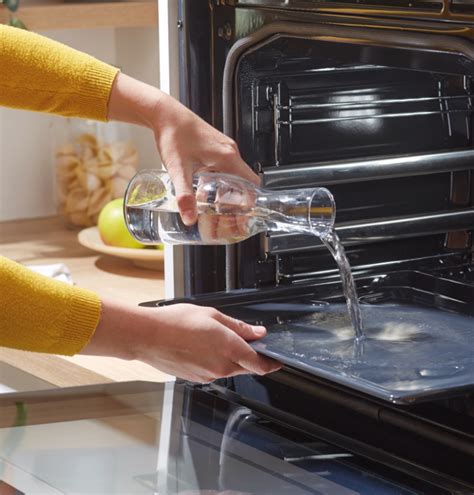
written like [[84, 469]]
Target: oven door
[[148, 438], [223, 443]]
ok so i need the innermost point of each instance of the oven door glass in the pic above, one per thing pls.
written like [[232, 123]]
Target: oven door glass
[[138, 438]]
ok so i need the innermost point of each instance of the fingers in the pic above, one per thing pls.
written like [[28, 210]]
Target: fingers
[[181, 177], [234, 204], [242, 354], [228, 230], [207, 376], [207, 226], [242, 361], [244, 330], [235, 165], [249, 359]]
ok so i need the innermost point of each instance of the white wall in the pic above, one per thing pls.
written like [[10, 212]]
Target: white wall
[[137, 55], [26, 164]]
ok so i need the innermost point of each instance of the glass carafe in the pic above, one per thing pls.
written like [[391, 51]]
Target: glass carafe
[[230, 209]]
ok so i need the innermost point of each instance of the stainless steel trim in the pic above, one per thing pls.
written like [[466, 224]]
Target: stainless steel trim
[[327, 173], [230, 268], [276, 128], [446, 10], [376, 230]]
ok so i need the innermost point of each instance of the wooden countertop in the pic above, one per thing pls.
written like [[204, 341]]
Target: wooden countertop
[[47, 241]]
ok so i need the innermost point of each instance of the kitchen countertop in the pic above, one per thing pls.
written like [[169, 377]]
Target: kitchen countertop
[[49, 240]]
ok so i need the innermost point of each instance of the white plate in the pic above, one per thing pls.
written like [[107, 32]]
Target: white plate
[[145, 258]]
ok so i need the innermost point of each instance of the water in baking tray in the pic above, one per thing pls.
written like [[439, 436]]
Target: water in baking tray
[[406, 347]]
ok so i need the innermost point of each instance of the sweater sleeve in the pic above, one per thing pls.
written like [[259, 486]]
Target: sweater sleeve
[[45, 76], [43, 315]]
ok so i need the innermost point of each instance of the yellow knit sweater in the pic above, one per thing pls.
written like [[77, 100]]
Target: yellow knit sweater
[[38, 314]]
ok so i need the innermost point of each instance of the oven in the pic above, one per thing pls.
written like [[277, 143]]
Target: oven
[[372, 99]]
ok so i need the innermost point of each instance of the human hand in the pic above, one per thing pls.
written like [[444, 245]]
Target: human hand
[[186, 143], [224, 206], [192, 342], [201, 344]]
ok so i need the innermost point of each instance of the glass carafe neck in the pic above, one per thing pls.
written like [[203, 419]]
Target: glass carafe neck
[[308, 210]]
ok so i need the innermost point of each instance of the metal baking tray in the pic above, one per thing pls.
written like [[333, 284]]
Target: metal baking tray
[[419, 340], [420, 331]]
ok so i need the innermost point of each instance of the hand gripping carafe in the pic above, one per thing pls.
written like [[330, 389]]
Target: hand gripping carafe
[[230, 209]]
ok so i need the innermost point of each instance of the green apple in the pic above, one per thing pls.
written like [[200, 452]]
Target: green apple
[[112, 228]]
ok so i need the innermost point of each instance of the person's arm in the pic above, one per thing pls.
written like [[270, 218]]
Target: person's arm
[[42, 315], [185, 142], [39, 74], [191, 342], [45, 76], [196, 343]]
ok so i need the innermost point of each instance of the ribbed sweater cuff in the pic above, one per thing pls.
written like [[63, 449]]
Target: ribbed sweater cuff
[[99, 79], [83, 318]]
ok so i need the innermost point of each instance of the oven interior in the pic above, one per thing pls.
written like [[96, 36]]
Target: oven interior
[[311, 112]]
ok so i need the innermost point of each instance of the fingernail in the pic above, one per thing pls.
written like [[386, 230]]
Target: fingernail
[[259, 331], [188, 217]]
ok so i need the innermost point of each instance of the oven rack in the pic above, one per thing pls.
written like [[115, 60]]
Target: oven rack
[[376, 229], [362, 106]]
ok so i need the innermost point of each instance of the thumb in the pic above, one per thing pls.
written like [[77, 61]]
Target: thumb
[[249, 359], [182, 177], [244, 330]]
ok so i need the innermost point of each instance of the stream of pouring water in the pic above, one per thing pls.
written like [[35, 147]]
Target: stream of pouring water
[[333, 243]]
